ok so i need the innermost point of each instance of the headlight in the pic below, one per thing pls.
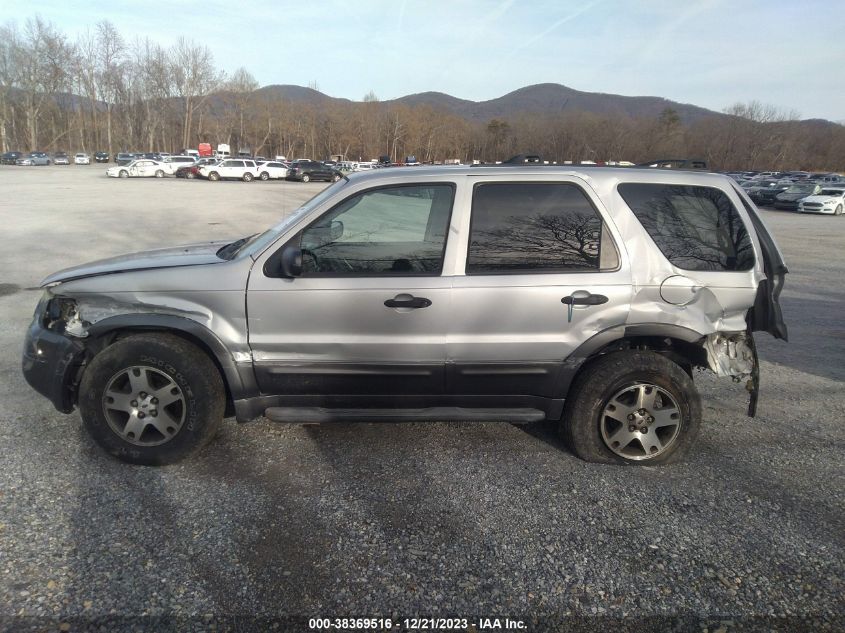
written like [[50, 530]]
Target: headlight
[[41, 307], [57, 309]]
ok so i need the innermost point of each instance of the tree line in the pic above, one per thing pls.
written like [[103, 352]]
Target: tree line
[[100, 92]]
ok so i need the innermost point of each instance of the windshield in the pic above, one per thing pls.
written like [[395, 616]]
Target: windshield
[[800, 189], [257, 243], [832, 192]]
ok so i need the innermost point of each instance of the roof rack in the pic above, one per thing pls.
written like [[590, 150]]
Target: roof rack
[[519, 159], [537, 160], [676, 163]]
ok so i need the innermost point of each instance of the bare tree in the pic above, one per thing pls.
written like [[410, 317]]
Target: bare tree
[[194, 78], [110, 66], [241, 85], [9, 78], [153, 85], [42, 57]]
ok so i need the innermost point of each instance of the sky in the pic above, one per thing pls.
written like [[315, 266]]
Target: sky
[[709, 53]]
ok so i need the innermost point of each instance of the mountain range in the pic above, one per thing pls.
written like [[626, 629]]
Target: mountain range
[[542, 99]]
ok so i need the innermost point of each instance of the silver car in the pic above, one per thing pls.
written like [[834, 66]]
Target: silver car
[[34, 158], [584, 296]]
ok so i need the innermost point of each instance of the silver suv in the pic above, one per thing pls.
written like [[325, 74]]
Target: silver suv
[[584, 296]]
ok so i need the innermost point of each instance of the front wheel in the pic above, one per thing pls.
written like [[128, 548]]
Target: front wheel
[[190, 175], [123, 173], [838, 210], [306, 178], [265, 175], [335, 177], [214, 176], [151, 399], [632, 408], [247, 177]]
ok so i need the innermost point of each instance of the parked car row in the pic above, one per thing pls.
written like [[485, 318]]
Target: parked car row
[[246, 169], [801, 191], [42, 158]]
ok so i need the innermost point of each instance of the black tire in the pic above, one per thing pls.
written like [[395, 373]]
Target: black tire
[[123, 173], [190, 175], [214, 176], [335, 177], [838, 210], [305, 178], [166, 356], [159, 173], [265, 175], [606, 377], [247, 177]]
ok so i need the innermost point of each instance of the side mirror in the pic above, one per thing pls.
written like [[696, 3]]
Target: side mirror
[[291, 263], [336, 230]]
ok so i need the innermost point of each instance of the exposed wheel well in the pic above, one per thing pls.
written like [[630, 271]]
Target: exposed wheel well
[[94, 346], [683, 353]]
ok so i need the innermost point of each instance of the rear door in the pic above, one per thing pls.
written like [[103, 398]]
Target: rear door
[[541, 274], [319, 170], [232, 169]]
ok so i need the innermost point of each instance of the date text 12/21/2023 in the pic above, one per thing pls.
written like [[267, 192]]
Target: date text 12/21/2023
[[416, 624]]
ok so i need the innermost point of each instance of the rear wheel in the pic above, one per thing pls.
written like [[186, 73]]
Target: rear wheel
[[159, 173], [190, 175], [247, 177], [151, 399], [632, 408], [306, 178], [335, 177]]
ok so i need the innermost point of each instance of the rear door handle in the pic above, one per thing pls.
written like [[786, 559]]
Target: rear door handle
[[583, 299], [410, 302], [589, 300]]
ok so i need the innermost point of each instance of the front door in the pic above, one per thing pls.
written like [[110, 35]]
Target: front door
[[141, 168], [369, 313], [542, 274]]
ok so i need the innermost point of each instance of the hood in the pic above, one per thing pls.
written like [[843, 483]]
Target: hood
[[187, 255]]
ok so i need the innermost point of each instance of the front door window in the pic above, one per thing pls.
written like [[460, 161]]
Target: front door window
[[383, 232]]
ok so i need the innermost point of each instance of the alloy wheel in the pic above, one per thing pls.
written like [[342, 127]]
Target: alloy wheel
[[144, 406], [641, 421]]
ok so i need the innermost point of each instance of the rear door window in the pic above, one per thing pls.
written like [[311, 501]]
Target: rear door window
[[696, 228], [536, 228]]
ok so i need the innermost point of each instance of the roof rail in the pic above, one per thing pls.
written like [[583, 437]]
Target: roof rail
[[676, 163], [519, 159]]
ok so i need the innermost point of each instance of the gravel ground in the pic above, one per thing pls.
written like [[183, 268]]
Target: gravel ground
[[273, 523]]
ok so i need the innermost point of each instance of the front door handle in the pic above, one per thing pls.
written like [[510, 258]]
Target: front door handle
[[588, 300], [407, 301]]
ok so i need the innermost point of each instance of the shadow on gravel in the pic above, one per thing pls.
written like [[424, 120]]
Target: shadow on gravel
[[215, 533], [421, 519], [816, 337]]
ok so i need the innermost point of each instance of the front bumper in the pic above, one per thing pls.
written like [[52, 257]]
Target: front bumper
[[51, 363]]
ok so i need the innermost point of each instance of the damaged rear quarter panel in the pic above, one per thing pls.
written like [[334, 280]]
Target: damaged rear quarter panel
[[721, 299]]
